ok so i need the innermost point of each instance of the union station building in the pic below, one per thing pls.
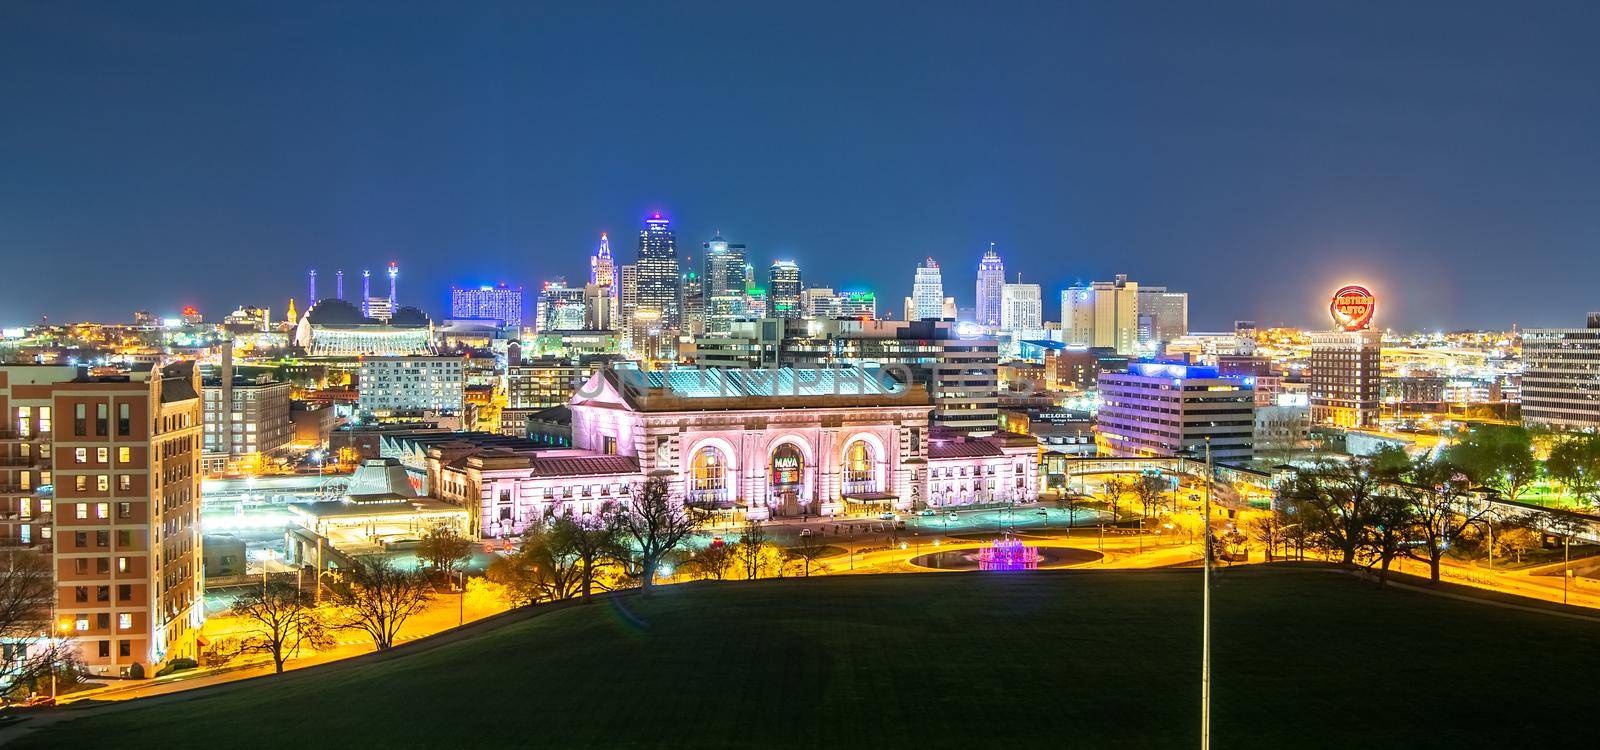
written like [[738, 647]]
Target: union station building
[[752, 444]]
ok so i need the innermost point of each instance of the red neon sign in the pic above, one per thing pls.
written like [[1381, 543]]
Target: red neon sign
[[1352, 307]]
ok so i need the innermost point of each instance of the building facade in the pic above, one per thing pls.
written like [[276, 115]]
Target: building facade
[[657, 272], [501, 303], [1561, 377], [1346, 378], [403, 385], [783, 289], [1021, 309], [1164, 409], [927, 292], [991, 277]]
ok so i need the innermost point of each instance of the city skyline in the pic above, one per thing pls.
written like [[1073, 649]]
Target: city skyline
[[1090, 143]]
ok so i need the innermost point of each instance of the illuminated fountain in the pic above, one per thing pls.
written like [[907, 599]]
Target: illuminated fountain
[[1008, 553]]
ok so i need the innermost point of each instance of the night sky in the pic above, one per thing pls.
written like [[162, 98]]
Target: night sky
[[1255, 155]]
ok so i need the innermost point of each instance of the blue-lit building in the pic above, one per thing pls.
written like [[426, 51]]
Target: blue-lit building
[[1167, 409], [502, 304]]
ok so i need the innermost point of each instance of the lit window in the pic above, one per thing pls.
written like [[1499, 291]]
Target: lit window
[[124, 621], [80, 456]]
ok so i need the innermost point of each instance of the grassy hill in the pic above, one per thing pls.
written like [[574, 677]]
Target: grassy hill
[[1059, 659]]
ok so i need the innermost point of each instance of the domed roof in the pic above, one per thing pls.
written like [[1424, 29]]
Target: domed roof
[[409, 316], [337, 312]]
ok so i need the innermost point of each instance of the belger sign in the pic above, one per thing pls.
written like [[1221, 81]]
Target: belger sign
[[1352, 308]]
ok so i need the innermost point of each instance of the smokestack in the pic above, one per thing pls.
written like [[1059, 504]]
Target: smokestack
[[313, 297], [225, 422], [338, 283], [366, 292]]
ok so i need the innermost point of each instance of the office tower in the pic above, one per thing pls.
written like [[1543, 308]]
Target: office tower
[[1165, 409], [658, 276], [1021, 308], [1103, 314], [724, 282], [127, 501], [927, 292], [1163, 316], [245, 413], [1346, 377], [694, 301], [601, 300], [1561, 377], [783, 289], [627, 299], [991, 278], [501, 304], [560, 308], [859, 305]]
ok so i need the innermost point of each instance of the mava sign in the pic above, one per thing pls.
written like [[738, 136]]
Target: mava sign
[[1352, 307]]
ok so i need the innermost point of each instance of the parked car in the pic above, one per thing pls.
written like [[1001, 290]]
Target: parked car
[[805, 533], [928, 513], [886, 516]]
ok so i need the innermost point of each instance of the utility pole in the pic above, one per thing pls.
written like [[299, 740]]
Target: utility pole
[[1205, 614]]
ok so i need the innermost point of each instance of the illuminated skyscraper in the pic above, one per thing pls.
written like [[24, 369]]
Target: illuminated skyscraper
[[927, 291], [1021, 310], [723, 282], [658, 275], [991, 277], [560, 307], [501, 303], [783, 289]]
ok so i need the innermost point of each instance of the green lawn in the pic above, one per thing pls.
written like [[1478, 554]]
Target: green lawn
[[1044, 659]]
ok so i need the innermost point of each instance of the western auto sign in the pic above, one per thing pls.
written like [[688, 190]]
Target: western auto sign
[[1352, 308]]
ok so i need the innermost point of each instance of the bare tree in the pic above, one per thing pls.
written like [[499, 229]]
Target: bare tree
[[808, 552], [751, 550], [712, 560], [377, 598], [1149, 489], [654, 525], [27, 589], [283, 619], [1268, 529], [1116, 487], [444, 548]]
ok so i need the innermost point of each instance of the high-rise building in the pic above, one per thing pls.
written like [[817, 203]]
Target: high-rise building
[[1163, 316], [927, 292], [694, 300], [991, 279], [627, 295], [1103, 314], [1021, 309], [500, 303], [658, 275], [783, 289], [723, 282], [1346, 378], [1166, 409], [127, 510], [1561, 377], [245, 413], [600, 295], [560, 308]]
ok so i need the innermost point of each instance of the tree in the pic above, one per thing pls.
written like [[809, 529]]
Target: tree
[[1444, 508], [712, 560], [1070, 501], [654, 525], [377, 597], [1514, 540], [594, 542], [1116, 487], [27, 590], [283, 619], [544, 567], [1497, 456], [1268, 529], [1333, 502], [1575, 463], [1392, 518], [1149, 488], [751, 551], [443, 547], [808, 552]]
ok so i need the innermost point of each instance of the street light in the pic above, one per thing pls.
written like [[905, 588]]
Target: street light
[[1205, 615]]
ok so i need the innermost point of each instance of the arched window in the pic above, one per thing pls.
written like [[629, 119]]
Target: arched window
[[708, 476], [860, 474], [788, 466]]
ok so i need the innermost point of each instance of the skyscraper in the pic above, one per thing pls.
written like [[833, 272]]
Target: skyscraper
[[1561, 385], [560, 307], [600, 295], [1021, 309], [783, 289], [723, 282], [1103, 314], [927, 291], [991, 277], [658, 275]]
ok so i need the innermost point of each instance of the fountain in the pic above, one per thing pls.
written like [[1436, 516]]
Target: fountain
[[1008, 553]]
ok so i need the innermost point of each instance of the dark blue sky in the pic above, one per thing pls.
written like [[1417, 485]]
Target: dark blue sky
[[1255, 155]]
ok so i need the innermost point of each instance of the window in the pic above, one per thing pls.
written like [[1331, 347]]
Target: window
[[124, 482], [80, 483], [124, 455], [103, 538], [102, 593], [83, 512], [81, 624], [101, 418], [102, 483], [124, 510], [80, 420], [44, 419], [124, 648], [122, 567], [80, 594], [102, 565], [102, 455], [124, 421], [102, 510], [80, 565], [125, 621], [80, 456], [105, 649]]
